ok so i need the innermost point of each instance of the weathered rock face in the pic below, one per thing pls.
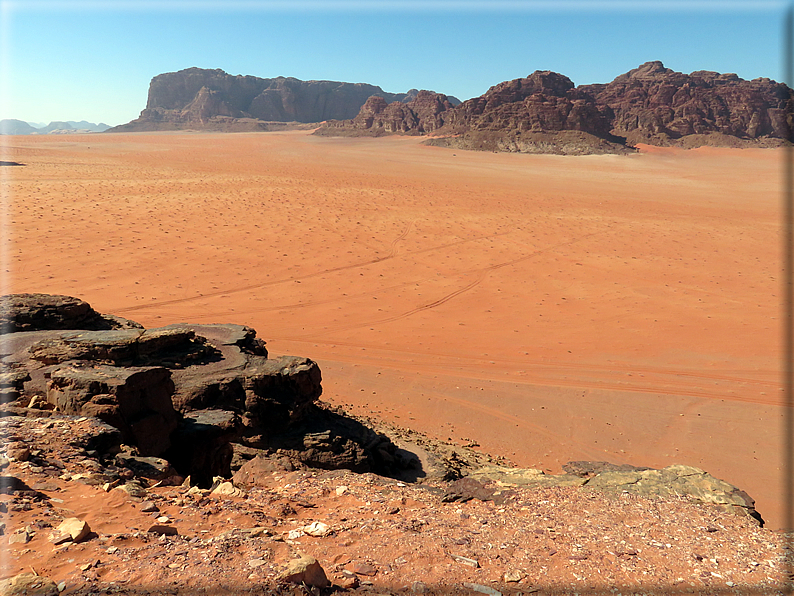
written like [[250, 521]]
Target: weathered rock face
[[136, 400], [656, 105], [422, 114], [197, 97]]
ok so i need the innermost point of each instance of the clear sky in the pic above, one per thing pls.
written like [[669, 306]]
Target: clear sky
[[78, 60]]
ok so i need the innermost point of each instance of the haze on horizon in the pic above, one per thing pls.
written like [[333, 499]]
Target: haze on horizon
[[94, 61]]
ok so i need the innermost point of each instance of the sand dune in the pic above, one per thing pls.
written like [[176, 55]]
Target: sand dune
[[547, 308]]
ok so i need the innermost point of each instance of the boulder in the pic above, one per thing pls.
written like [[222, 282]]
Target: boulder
[[305, 570], [28, 584], [75, 528]]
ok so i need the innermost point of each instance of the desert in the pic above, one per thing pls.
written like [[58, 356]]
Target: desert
[[539, 308]]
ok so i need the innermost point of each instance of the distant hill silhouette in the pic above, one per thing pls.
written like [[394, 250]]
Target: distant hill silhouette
[[18, 127]]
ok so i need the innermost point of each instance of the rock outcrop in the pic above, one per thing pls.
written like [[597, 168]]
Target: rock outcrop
[[183, 392], [214, 100], [656, 105], [546, 113]]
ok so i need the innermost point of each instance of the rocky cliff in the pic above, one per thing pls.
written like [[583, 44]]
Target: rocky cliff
[[213, 99], [546, 113], [419, 115]]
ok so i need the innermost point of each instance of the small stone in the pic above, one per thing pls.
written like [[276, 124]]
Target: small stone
[[348, 582], [466, 561], [133, 489], [294, 534], [149, 507], [305, 570], [317, 529], [482, 589], [362, 568], [256, 563], [20, 536], [112, 550], [173, 565], [163, 530], [76, 528], [164, 519], [227, 489], [61, 586], [418, 588], [513, 575], [340, 490]]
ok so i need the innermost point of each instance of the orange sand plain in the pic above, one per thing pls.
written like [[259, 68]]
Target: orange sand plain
[[547, 308]]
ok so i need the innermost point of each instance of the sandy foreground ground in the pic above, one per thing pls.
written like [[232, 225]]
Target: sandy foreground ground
[[546, 308]]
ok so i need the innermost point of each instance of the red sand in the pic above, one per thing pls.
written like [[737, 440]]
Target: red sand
[[548, 308]]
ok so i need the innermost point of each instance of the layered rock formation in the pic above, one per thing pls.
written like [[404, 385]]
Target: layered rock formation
[[546, 113], [182, 392], [215, 100], [421, 114]]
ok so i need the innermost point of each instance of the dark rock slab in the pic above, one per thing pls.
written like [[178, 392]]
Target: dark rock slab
[[37, 312], [136, 400], [172, 347]]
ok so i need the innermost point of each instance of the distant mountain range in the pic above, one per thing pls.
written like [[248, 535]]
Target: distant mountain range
[[18, 127]]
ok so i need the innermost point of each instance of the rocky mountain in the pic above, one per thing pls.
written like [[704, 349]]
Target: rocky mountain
[[546, 113], [10, 126], [18, 127], [215, 100]]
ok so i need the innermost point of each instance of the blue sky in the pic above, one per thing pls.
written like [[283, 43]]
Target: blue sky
[[93, 60]]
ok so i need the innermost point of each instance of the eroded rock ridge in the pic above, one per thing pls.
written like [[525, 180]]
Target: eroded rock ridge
[[546, 113]]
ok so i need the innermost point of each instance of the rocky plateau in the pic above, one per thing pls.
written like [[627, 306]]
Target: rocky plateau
[[186, 459]]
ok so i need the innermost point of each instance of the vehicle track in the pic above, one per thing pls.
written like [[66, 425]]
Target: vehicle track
[[237, 290]]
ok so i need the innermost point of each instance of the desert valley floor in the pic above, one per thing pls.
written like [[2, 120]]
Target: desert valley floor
[[546, 308]]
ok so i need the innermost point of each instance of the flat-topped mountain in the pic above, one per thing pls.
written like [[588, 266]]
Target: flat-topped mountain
[[213, 99], [546, 113]]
